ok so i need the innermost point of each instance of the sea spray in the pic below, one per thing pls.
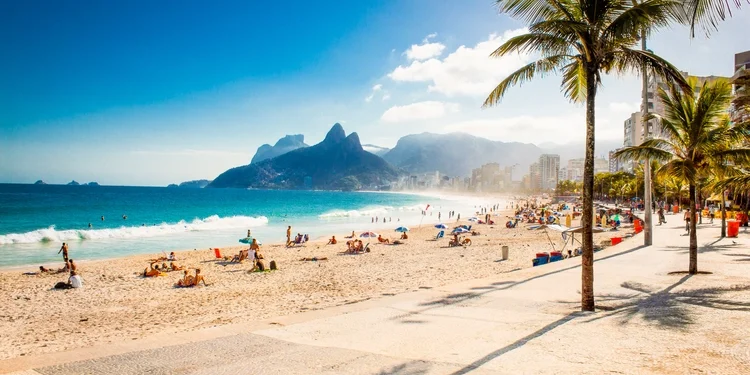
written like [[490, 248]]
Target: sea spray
[[210, 223]]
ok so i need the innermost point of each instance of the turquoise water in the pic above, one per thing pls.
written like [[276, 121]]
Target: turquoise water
[[36, 219]]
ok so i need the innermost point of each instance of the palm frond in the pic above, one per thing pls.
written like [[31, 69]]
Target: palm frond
[[547, 44], [527, 72], [574, 81], [707, 13], [529, 11], [656, 149], [626, 59], [647, 15]]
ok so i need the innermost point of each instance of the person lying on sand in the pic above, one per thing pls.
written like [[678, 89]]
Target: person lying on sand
[[239, 258], [174, 267], [43, 269], [332, 241], [313, 259], [383, 240], [352, 236]]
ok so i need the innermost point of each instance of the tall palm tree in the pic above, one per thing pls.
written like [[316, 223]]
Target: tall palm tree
[[696, 132], [583, 39]]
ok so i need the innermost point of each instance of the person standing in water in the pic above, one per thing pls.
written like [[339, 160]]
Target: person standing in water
[[102, 217], [64, 250]]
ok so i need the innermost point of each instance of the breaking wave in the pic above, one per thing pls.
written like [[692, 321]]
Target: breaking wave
[[370, 211], [210, 223]]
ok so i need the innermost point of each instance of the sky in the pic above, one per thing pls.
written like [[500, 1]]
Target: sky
[[158, 92]]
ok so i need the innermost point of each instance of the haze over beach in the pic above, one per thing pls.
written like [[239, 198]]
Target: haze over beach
[[382, 187]]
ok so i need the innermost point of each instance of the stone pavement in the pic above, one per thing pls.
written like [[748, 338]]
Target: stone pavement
[[648, 321]]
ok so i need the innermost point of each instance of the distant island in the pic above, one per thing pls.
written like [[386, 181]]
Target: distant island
[[93, 183], [73, 183], [195, 184], [337, 163], [40, 182]]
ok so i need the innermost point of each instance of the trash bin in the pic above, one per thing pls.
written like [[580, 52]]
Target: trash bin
[[505, 252], [733, 228]]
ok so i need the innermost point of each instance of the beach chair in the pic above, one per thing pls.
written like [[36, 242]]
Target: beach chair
[[217, 253], [440, 235]]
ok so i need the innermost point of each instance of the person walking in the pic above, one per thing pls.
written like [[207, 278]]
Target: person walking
[[288, 234], [64, 250], [687, 221]]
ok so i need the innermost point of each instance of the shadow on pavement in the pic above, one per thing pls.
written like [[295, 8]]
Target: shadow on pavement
[[408, 368]]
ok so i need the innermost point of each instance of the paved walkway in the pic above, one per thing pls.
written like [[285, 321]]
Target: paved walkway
[[649, 321]]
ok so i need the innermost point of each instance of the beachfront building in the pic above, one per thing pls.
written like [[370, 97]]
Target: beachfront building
[[615, 165], [534, 181], [490, 177], [741, 79], [549, 167], [574, 170], [563, 174], [633, 133], [601, 165]]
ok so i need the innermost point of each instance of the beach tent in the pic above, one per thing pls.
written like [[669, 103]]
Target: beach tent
[[570, 234], [402, 229], [544, 227]]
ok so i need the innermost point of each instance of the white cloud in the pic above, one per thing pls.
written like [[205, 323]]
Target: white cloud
[[624, 107], [386, 97], [419, 111], [424, 51], [428, 37], [375, 89], [467, 70], [563, 128]]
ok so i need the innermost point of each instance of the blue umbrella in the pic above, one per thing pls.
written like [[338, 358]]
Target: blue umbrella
[[460, 230], [440, 226], [402, 229]]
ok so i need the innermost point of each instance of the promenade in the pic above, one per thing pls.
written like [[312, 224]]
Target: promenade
[[649, 320]]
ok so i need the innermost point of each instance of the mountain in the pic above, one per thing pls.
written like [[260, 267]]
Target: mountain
[[199, 184], [282, 146], [40, 182], [73, 183], [456, 154], [377, 150], [338, 162]]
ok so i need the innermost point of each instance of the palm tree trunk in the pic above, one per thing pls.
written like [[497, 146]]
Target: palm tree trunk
[[693, 269], [723, 215], [587, 258]]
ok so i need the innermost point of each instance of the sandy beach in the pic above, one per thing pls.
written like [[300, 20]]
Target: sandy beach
[[117, 304]]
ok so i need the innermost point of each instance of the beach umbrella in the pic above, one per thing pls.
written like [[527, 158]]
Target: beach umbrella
[[402, 229], [474, 218], [460, 230], [368, 235], [440, 226]]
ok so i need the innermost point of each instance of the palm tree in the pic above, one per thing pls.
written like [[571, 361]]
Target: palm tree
[[583, 40], [697, 132]]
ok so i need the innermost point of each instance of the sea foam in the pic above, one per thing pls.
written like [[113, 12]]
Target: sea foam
[[210, 223], [371, 211]]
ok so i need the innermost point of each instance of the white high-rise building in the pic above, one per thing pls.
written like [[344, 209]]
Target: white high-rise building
[[549, 167]]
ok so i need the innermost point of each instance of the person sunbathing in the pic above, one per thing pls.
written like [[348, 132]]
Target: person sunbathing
[[313, 259], [239, 258], [352, 236], [186, 280], [171, 257], [254, 245], [332, 241], [404, 236], [358, 246], [175, 267], [43, 269], [383, 240], [154, 271]]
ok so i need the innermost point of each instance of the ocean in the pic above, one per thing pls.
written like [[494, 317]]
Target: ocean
[[112, 221]]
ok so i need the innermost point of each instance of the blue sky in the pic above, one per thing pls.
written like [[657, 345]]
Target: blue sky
[[155, 92]]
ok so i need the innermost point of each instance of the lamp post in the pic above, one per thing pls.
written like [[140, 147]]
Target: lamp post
[[647, 228]]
